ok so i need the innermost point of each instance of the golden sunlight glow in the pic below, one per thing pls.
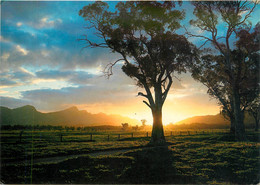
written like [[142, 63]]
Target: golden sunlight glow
[[173, 110]]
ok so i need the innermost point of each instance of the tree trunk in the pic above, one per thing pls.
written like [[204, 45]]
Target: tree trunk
[[239, 118], [157, 132], [256, 123], [232, 125]]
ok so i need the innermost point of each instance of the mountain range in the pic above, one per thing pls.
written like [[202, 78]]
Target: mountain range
[[28, 115]]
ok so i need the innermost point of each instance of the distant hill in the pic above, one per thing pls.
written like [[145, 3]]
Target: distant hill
[[209, 122], [28, 115], [208, 119]]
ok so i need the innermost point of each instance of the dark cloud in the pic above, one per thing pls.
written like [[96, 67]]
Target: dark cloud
[[7, 82], [15, 77], [22, 75], [53, 74], [13, 102], [89, 89], [75, 77], [57, 98]]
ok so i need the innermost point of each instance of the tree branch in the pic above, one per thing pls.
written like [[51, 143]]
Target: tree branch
[[147, 104], [164, 94], [108, 71], [142, 94], [93, 44]]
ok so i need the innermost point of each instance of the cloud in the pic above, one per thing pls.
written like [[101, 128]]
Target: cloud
[[2, 39], [57, 98], [46, 22], [49, 48], [6, 82], [12, 102], [90, 89], [22, 75], [75, 77], [37, 34], [18, 24], [5, 56], [21, 50], [16, 77]]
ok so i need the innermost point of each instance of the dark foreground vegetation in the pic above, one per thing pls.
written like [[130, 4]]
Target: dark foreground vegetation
[[209, 158]]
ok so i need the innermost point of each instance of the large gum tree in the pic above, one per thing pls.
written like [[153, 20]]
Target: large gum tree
[[143, 33], [221, 23]]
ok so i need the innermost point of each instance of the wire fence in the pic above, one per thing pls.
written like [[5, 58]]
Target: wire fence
[[66, 136]]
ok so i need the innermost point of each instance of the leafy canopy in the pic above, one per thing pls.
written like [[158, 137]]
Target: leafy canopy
[[143, 33]]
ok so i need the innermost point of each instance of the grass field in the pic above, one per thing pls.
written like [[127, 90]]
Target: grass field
[[194, 157]]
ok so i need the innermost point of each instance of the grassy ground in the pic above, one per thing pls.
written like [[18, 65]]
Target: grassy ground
[[212, 158]]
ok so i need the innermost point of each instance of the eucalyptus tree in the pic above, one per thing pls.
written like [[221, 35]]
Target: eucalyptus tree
[[143, 34], [221, 24]]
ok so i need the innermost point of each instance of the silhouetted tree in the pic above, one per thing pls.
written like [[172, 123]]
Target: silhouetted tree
[[234, 66], [143, 33], [125, 126], [79, 128], [144, 121], [135, 128], [254, 110]]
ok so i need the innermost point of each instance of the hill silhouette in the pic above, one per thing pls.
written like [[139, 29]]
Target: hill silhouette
[[208, 119], [209, 122], [28, 115]]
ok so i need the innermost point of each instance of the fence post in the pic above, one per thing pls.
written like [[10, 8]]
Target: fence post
[[90, 137], [60, 137], [189, 133], [132, 135], [118, 136]]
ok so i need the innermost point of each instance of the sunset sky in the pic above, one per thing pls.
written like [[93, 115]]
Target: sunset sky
[[43, 64]]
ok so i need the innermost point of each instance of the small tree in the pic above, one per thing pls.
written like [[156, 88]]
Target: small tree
[[143, 34], [135, 128], [254, 110], [125, 126], [144, 121]]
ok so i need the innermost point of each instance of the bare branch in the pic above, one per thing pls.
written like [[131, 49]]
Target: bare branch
[[142, 94], [108, 71], [247, 15], [93, 44], [193, 35], [176, 77], [203, 44], [147, 104]]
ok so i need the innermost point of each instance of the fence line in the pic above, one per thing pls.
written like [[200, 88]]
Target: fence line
[[140, 135], [64, 136]]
